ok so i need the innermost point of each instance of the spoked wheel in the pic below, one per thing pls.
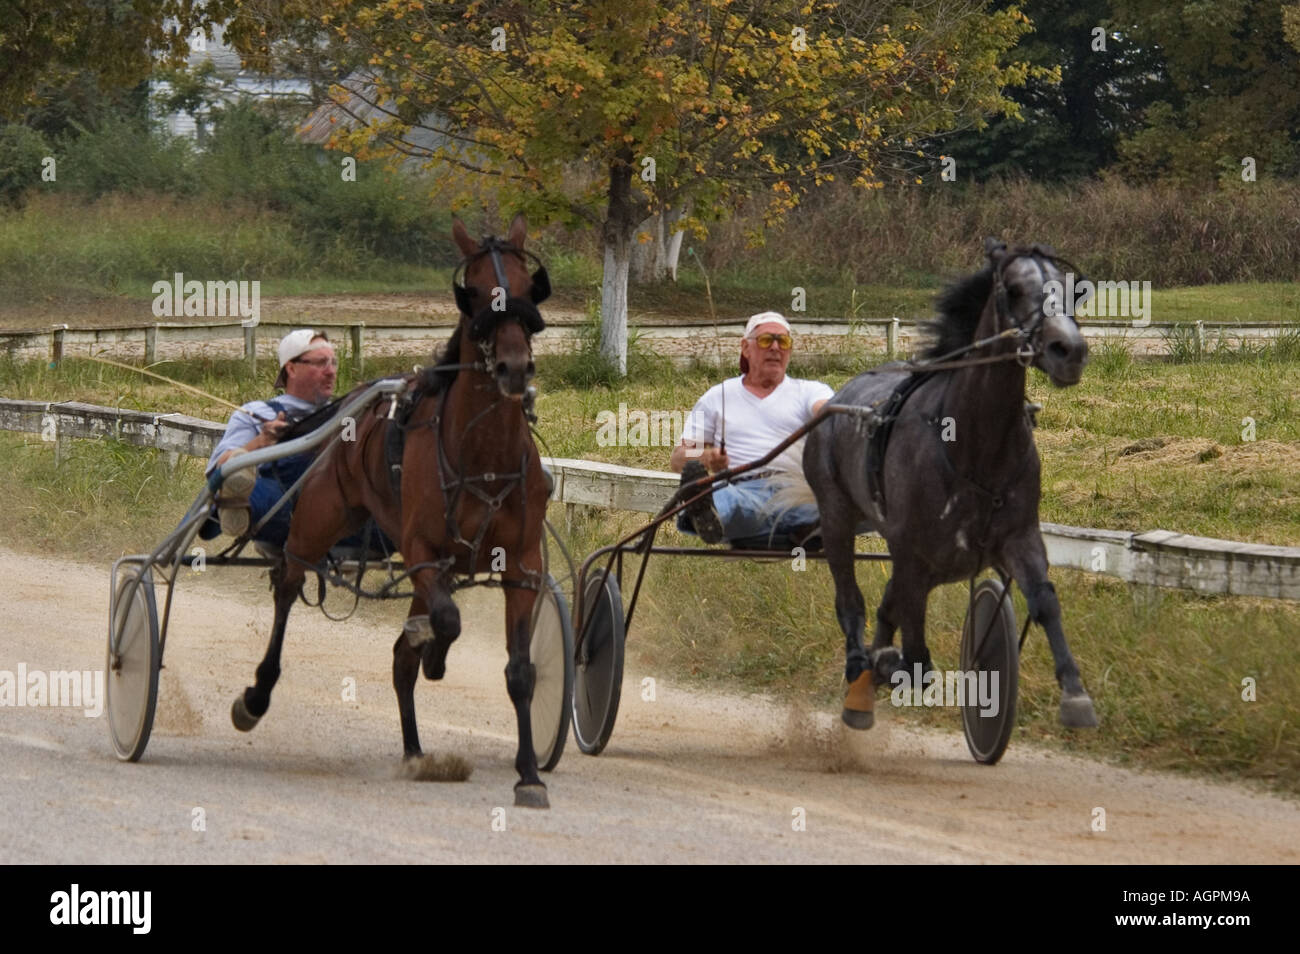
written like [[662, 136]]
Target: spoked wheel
[[551, 653], [133, 660], [990, 649], [600, 664]]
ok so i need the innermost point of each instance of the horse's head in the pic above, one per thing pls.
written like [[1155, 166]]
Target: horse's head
[[1024, 298], [498, 302]]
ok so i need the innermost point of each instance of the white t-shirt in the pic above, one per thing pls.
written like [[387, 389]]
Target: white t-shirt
[[755, 425]]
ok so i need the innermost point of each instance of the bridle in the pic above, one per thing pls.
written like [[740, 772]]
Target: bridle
[[1029, 335], [523, 310]]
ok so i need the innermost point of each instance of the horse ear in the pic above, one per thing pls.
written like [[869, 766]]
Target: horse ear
[[518, 232], [1047, 251], [463, 242], [541, 289], [994, 249], [463, 296]]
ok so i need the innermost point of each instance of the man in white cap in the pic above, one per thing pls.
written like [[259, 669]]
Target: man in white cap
[[739, 421], [308, 369]]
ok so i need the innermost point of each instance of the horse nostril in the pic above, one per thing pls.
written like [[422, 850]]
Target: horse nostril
[[530, 370], [502, 370], [1058, 351]]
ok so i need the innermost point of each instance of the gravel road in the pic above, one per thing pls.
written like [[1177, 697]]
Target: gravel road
[[690, 777]]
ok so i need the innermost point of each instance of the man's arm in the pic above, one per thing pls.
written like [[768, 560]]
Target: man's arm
[[267, 434], [713, 459]]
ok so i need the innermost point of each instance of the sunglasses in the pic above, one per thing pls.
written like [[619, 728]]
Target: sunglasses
[[765, 340], [319, 362]]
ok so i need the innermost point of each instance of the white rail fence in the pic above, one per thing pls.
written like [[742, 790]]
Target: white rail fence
[[681, 340], [1158, 557]]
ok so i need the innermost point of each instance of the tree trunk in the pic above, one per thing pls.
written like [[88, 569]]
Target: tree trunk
[[656, 260], [617, 235], [613, 302]]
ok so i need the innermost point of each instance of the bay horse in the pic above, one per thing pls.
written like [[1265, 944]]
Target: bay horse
[[956, 488], [471, 488]]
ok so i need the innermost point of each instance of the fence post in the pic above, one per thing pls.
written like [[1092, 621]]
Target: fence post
[[151, 344], [250, 348], [56, 344], [1200, 338], [357, 333], [892, 338]]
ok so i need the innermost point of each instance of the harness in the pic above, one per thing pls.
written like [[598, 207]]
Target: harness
[[878, 425]]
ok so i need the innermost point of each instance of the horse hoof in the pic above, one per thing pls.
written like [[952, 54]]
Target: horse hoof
[[859, 703], [885, 662], [531, 796], [856, 719], [434, 659], [1077, 712], [243, 719]]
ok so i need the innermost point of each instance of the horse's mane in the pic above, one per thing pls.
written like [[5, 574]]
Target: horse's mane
[[959, 305], [433, 381]]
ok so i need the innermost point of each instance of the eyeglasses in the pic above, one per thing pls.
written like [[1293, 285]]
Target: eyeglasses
[[764, 341], [319, 362]]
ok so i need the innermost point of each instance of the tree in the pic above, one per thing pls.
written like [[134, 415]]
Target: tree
[[1234, 90], [44, 43], [605, 113], [1072, 123]]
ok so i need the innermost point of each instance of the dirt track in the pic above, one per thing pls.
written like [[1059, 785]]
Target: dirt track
[[691, 777]]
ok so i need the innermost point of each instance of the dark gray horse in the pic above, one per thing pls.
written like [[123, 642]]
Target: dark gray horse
[[958, 486]]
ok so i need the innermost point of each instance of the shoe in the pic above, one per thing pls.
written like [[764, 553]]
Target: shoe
[[232, 501], [702, 514]]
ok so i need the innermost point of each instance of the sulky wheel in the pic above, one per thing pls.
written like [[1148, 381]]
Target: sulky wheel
[[600, 663], [133, 661], [551, 653], [989, 648]]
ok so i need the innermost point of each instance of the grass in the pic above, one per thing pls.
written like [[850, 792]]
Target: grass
[[1137, 445], [95, 262]]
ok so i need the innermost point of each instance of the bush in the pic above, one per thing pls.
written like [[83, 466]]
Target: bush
[[128, 155], [21, 153]]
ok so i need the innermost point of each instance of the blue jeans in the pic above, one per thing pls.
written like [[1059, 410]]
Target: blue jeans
[[272, 482], [743, 508]]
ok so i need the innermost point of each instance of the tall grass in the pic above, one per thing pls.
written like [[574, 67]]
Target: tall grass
[[1109, 229]]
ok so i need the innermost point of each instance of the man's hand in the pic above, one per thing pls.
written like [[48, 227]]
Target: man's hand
[[269, 434], [714, 460]]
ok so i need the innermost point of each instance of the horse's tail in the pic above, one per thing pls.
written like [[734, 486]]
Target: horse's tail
[[794, 492]]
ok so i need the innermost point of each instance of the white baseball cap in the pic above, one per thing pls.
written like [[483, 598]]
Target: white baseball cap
[[293, 345], [764, 318]]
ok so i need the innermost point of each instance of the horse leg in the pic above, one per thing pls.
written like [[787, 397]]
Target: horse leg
[[406, 669], [885, 659], [251, 705], [907, 609], [1027, 560], [310, 541], [851, 611], [443, 626], [521, 676]]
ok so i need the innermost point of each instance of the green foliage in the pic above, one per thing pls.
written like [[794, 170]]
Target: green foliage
[[1069, 126], [125, 154], [43, 42], [21, 153], [1235, 92]]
